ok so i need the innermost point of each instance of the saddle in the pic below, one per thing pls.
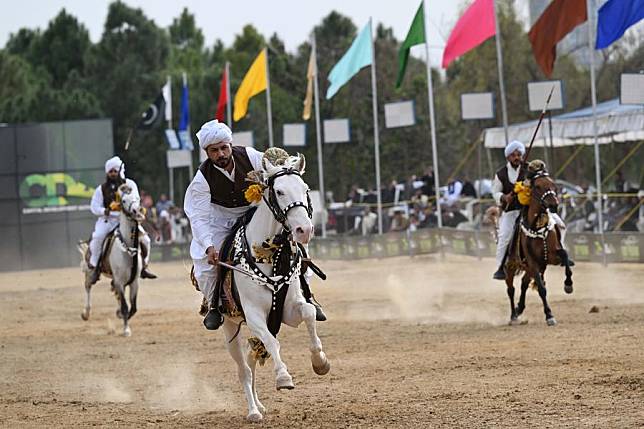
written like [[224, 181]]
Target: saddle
[[103, 263], [226, 289]]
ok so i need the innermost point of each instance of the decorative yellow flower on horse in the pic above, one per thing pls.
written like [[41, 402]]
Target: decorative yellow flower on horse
[[253, 193]]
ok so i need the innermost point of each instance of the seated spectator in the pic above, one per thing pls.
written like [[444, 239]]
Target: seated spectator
[[468, 188], [454, 189], [414, 224], [368, 221], [163, 204], [399, 222]]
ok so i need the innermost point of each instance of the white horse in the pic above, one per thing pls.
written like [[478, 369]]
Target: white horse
[[290, 202], [123, 256]]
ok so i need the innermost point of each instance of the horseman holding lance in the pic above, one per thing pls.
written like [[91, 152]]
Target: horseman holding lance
[[503, 191], [213, 202], [106, 206]]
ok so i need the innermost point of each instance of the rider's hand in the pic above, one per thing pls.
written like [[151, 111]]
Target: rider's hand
[[106, 212], [507, 199], [212, 255]]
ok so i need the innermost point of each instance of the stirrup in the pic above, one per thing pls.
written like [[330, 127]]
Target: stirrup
[[319, 313], [147, 274]]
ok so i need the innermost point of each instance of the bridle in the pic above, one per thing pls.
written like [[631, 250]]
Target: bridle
[[272, 203], [542, 198]]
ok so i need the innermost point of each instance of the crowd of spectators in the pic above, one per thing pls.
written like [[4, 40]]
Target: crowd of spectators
[[164, 221]]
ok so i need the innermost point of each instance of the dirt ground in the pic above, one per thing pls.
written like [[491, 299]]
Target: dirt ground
[[419, 342]]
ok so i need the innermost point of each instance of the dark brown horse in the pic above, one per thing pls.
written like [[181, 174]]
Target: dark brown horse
[[536, 246]]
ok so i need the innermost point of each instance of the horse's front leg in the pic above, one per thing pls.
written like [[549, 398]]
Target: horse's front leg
[[122, 312], [541, 286], [256, 321], [525, 282], [235, 348], [88, 302], [509, 283], [134, 289], [296, 311]]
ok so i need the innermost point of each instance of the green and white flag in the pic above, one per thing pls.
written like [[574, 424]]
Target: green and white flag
[[415, 36]]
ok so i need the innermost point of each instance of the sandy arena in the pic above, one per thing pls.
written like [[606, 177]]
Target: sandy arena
[[413, 343]]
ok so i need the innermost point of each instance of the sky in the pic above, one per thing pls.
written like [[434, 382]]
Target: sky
[[292, 20]]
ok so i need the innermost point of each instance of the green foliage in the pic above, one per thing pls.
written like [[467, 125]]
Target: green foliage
[[58, 74]]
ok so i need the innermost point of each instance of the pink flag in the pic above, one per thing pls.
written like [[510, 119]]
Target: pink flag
[[475, 27]]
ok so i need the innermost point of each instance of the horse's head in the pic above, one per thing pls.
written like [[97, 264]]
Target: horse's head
[[544, 190], [288, 195], [131, 203]]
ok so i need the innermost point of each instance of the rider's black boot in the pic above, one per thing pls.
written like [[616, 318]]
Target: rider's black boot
[[500, 274], [319, 313], [213, 319], [94, 275], [147, 274]]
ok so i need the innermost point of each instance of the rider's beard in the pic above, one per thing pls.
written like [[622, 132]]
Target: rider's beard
[[223, 161], [114, 181]]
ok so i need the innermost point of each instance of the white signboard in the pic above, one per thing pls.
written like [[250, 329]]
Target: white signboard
[[400, 114], [185, 139], [171, 138], [336, 131], [179, 158], [243, 138], [294, 134], [632, 88], [538, 94], [477, 105]]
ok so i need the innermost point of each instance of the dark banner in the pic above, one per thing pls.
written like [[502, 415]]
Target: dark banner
[[48, 173]]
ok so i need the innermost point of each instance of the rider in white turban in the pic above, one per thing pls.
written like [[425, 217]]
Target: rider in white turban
[[514, 145], [214, 132], [115, 163], [103, 206]]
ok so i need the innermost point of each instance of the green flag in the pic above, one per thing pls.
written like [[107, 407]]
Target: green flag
[[415, 36]]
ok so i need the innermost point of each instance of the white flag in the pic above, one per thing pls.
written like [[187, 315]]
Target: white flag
[[167, 95]]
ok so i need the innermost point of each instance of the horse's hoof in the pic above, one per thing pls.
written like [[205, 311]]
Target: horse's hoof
[[254, 417], [85, 315], [551, 321], [261, 408], [285, 382], [514, 322], [127, 332], [323, 369], [568, 288]]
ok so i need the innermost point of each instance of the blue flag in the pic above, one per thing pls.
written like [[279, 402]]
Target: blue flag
[[357, 57], [184, 118], [614, 18]]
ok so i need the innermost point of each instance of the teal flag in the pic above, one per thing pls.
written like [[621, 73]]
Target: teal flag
[[357, 57]]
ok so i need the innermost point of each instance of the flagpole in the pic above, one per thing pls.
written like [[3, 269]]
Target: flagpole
[[593, 93], [376, 132], [269, 113], [432, 121], [318, 133], [229, 102], [499, 62]]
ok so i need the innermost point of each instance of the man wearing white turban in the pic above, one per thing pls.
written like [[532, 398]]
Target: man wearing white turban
[[502, 189], [108, 216], [213, 202]]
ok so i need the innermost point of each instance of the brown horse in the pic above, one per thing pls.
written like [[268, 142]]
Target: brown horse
[[536, 246]]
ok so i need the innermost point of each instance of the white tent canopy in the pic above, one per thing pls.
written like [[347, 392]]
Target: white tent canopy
[[615, 123]]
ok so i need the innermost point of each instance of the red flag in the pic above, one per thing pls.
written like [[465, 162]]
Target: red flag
[[473, 28], [223, 98], [559, 19]]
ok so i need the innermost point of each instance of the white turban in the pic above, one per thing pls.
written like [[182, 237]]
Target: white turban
[[115, 163], [514, 145], [214, 132]]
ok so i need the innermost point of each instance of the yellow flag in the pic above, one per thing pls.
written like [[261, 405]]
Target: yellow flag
[[254, 82], [308, 100]]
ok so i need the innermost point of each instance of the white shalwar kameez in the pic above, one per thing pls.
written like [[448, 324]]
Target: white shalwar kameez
[[211, 223], [108, 223]]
